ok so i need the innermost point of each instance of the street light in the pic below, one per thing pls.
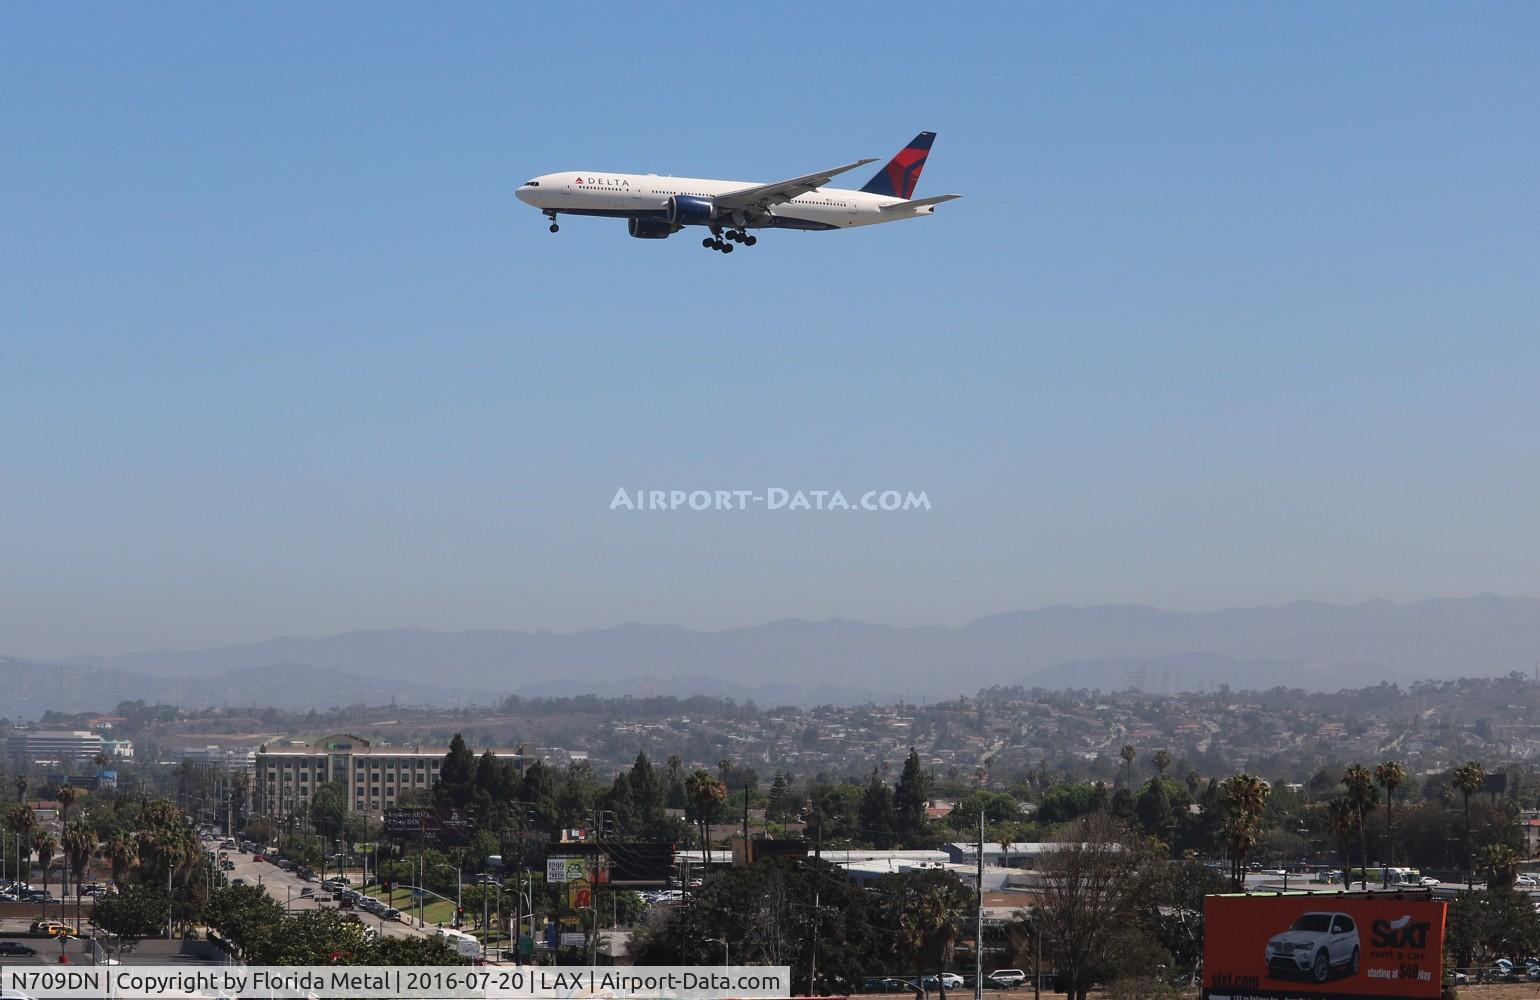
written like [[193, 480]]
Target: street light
[[723, 943]]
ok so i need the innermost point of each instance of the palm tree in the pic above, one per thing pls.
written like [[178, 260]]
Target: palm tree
[[20, 821], [1162, 761], [1341, 821], [1245, 800], [67, 795], [1128, 753], [1194, 782], [1499, 864], [706, 794], [122, 852], [1390, 774], [1468, 778], [79, 843], [44, 844], [1359, 782]]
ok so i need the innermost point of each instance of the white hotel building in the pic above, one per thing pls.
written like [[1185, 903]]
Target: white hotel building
[[287, 777]]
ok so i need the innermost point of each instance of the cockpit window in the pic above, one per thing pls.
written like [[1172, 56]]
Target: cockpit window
[[531, 184]]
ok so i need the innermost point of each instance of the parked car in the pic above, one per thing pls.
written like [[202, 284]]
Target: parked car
[[1007, 978], [306, 891], [16, 948], [951, 979], [1314, 945], [391, 913]]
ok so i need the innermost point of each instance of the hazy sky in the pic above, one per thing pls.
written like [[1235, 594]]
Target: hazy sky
[[1241, 307]]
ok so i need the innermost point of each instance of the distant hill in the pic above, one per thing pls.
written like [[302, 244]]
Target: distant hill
[[33, 688], [1304, 644]]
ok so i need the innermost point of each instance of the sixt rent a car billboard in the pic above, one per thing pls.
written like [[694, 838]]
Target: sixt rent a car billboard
[[1318, 946]]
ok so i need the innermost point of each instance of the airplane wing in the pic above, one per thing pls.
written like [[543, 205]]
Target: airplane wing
[[762, 196]]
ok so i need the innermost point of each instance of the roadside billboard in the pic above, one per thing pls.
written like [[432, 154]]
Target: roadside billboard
[[1322, 946], [566, 869]]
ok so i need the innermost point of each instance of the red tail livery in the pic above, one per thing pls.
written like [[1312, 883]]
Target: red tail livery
[[898, 178]]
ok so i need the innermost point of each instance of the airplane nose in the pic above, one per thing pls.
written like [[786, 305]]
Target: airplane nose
[[524, 193]]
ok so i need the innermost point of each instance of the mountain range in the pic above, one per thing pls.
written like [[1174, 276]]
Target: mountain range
[[1310, 645]]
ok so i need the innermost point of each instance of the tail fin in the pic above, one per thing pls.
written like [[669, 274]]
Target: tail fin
[[898, 178]]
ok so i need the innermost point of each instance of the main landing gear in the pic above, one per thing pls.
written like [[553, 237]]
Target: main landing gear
[[716, 242], [552, 217]]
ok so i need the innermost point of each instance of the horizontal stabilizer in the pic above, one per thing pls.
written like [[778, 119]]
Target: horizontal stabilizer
[[906, 206]]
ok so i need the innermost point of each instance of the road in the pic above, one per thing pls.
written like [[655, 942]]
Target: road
[[285, 887]]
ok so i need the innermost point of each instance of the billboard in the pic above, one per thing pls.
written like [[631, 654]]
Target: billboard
[[1322, 946], [566, 869]]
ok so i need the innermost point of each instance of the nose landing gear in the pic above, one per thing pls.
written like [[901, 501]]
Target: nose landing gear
[[552, 217]]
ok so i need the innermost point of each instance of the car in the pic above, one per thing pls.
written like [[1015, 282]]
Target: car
[[258, 857], [16, 948], [1428, 882], [306, 891], [1527, 881], [237, 881], [950, 980], [391, 913], [1314, 945], [1008, 977]]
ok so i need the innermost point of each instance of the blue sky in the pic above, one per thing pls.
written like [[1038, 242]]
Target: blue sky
[[1240, 307]]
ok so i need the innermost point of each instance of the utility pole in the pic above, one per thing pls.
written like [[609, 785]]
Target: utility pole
[[812, 976], [978, 931], [746, 858]]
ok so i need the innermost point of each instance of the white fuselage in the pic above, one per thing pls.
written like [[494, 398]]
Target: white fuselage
[[646, 195]]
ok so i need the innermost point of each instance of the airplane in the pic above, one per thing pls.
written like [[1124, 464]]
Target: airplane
[[656, 207]]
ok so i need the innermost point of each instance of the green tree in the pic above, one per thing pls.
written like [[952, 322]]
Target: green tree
[[79, 843], [922, 911], [707, 793], [242, 912], [877, 813], [1468, 778], [1162, 760], [1390, 774], [1154, 809], [122, 853], [1128, 753], [136, 910], [1244, 800], [1342, 823], [457, 776], [66, 795], [776, 809], [909, 799], [646, 796], [329, 810], [44, 845], [1359, 782]]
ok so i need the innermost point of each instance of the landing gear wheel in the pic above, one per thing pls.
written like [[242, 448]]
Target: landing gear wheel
[[727, 248], [555, 228], [749, 241], [708, 243]]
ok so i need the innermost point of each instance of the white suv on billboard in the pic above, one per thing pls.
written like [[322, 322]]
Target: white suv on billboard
[[1314, 945]]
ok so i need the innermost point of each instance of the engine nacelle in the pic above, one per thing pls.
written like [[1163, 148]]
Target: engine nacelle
[[649, 229], [688, 210]]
